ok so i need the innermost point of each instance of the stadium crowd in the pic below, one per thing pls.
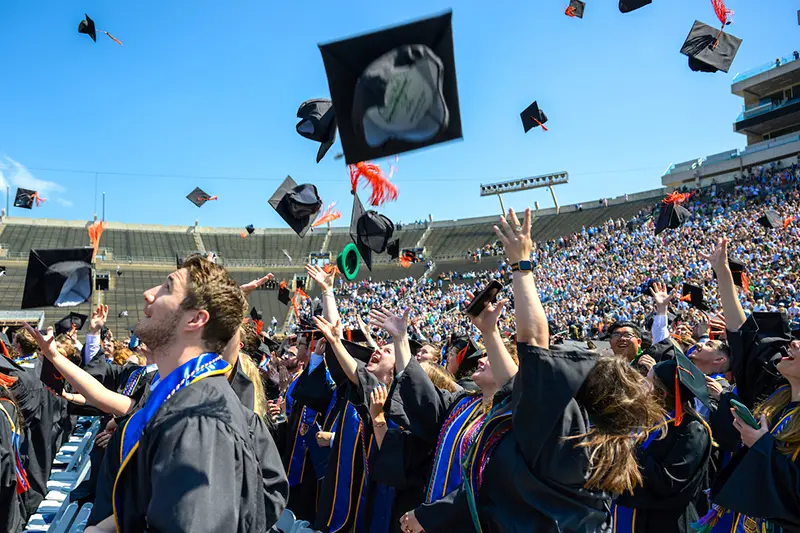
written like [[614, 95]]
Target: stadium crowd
[[399, 406]]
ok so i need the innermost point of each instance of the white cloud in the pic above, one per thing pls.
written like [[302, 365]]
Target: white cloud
[[14, 174], [63, 202]]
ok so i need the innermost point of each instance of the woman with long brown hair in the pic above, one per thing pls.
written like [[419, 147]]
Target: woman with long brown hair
[[552, 454]]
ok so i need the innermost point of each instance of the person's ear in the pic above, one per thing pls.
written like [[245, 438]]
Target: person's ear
[[197, 320]]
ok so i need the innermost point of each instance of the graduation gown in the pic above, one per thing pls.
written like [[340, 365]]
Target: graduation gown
[[753, 359], [12, 512], [534, 478], [675, 471]]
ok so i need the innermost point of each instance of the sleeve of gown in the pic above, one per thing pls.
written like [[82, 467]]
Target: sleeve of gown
[[669, 475], [10, 512], [721, 422], [400, 461], [276, 486], [106, 373], [194, 488], [765, 483], [424, 404], [543, 388], [106, 475], [450, 513], [753, 362]]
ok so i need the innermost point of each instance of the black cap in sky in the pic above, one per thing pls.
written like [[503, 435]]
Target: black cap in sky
[[671, 216], [60, 277], [284, 295], [370, 231], [739, 272], [297, 204], [394, 90], [24, 198], [533, 117], [65, 324], [256, 315], [199, 197], [575, 8], [691, 381], [250, 229], [318, 123], [87, 27], [693, 295], [393, 248], [709, 49], [354, 335], [772, 324], [770, 219], [626, 6]]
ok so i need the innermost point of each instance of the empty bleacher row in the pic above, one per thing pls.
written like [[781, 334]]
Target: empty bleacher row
[[136, 243]]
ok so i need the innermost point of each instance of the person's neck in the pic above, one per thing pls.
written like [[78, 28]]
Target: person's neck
[[795, 386], [174, 356], [232, 361], [488, 394]]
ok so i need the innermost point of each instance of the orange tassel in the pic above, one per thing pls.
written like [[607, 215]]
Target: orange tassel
[[243, 235], [5, 350], [95, 232], [676, 197], [678, 403], [686, 298], [259, 326], [462, 354], [7, 381], [39, 200], [570, 12], [301, 293], [723, 13], [330, 267], [539, 123], [788, 221], [745, 283], [112, 38], [329, 215], [383, 190], [406, 260]]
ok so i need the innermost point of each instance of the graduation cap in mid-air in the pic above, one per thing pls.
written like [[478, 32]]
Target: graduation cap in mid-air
[[393, 248], [87, 27], [710, 49], [370, 231], [394, 90], [318, 123], [256, 315], [73, 319], [59, 277], [770, 219], [533, 117], [626, 6], [199, 197], [685, 379], [575, 9], [297, 204], [739, 273], [693, 295], [671, 214], [248, 230], [283, 294], [25, 198]]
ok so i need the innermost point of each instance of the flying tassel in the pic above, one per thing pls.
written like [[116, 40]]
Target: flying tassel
[[38, 199], [788, 221], [406, 260], [283, 285], [5, 350], [570, 12], [724, 15], [330, 267], [383, 190], [745, 282], [210, 198], [329, 215], [544, 128], [112, 37], [95, 232], [259, 324], [295, 304], [676, 197], [243, 235]]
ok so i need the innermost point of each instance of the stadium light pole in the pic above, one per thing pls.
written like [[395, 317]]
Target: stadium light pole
[[524, 184]]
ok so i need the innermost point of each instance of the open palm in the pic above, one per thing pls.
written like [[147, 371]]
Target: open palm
[[323, 279], [395, 325]]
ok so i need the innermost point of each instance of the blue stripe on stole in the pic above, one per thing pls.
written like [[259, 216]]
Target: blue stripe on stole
[[379, 500], [446, 473], [297, 462], [348, 435]]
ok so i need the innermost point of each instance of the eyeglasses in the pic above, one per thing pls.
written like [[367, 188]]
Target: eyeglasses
[[623, 335]]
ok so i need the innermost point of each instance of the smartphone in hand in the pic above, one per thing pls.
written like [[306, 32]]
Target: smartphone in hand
[[744, 413]]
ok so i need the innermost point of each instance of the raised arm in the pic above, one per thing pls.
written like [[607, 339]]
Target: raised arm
[[662, 298], [734, 314], [325, 281], [503, 366], [333, 334], [251, 286], [397, 327], [96, 323], [532, 327], [84, 384], [367, 335]]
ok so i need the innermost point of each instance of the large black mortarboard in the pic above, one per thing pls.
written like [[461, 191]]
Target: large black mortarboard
[[709, 49], [770, 219], [355, 335], [575, 9], [626, 6], [693, 295], [256, 315], [691, 381], [318, 123], [393, 248], [394, 90], [297, 204], [60, 277], [773, 324], [739, 272], [24, 198], [533, 117], [370, 231], [671, 216], [87, 27], [283, 295], [65, 324], [199, 197], [360, 353]]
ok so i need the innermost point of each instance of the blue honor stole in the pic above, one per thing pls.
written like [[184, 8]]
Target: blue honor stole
[[446, 474], [19, 469], [206, 365], [380, 497], [22, 360], [319, 456], [348, 436]]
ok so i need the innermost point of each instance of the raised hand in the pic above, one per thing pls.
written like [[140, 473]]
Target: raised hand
[[410, 524], [332, 332], [515, 237], [487, 320], [376, 400], [46, 342], [98, 319], [248, 288], [662, 297], [285, 378], [324, 279], [395, 325], [750, 435], [718, 257]]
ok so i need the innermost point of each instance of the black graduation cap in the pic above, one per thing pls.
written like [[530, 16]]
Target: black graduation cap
[[770, 219], [693, 295], [59, 277], [691, 382], [4, 339], [283, 295], [318, 123], [199, 197], [370, 231], [24, 198], [51, 377], [395, 89], [256, 315], [671, 216], [87, 27], [2, 271], [297, 204], [533, 117], [355, 335], [739, 271], [468, 351], [772, 324], [65, 324], [626, 6], [393, 248], [250, 229], [710, 49], [415, 346], [575, 9], [268, 346], [361, 353]]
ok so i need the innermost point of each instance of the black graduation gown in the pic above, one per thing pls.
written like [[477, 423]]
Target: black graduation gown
[[675, 471], [753, 359], [762, 482], [195, 468], [534, 480], [12, 512]]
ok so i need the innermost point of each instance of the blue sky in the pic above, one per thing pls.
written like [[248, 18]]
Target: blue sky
[[211, 89]]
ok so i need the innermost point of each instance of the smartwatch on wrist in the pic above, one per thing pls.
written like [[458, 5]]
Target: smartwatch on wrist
[[522, 266]]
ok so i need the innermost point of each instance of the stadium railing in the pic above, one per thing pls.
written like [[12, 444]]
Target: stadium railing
[[761, 69]]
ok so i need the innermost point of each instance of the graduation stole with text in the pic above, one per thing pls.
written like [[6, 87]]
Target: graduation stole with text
[[19, 470], [206, 365], [348, 434], [446, 474]]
